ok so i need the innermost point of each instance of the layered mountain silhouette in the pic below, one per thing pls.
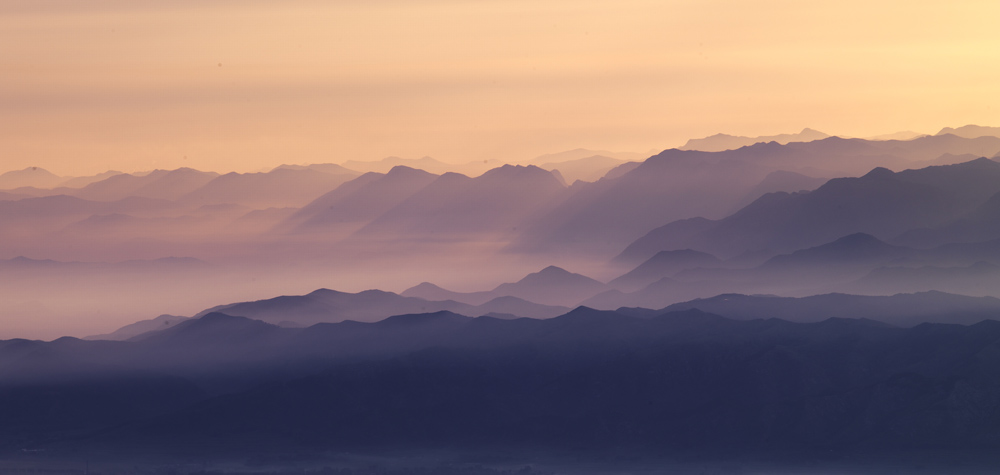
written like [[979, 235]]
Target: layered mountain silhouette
[[361, 200], [905, 310], [678, 184], [591, 168], [980, 278], [971, 131], [671, 185], [664, 264], [159, 184], [721, 142], [326, 305], [781, 181], [29, 177], [281, 187], [804, 271], [453, 205], [901, 135], [786, 297], [49, 214], [551, 286], [582, 153], [978, 225], [880, 203], [138, 328]]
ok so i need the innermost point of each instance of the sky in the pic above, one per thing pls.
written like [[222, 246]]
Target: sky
[[228, 85]]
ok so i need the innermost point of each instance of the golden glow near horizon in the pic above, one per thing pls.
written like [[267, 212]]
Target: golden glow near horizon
[[243, 85]]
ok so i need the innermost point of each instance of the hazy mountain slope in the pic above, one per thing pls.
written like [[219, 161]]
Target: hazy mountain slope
[[430, 291], [426, 164], [663, 264], [31, 176], [326, 306], [803, 272], [720, 142], [361, 200], [971, 131], [455, 206], [49, 214], [281, 187], [586, 169], [82, 181], [581, 153], [981, 278], [881, 203], [328, 168], [671, 185], [980, 224], [144, 326], [905, 310], [161, 184], [901, 135], [780, 181], [552, 286], [678, 184], [518, 307]]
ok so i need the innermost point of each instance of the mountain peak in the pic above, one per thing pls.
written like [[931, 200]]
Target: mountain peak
[[424, 286], [216, 317], [854, 241], [518, 172], [879, 172], [553, 271], [971, 131], [442, 316], [405, 171]]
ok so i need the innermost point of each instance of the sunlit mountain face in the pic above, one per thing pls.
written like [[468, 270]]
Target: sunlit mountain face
[[488, 238]]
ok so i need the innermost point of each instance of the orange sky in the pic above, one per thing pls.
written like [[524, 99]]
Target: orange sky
[[242, 85]]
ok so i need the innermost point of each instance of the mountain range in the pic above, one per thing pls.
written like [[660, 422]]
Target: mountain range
[[882, 203], [800, 297], [721, 142], [668, 382]]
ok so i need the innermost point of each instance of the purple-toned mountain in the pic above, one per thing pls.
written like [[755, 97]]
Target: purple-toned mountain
[[781, 181], [327, 306], [663, 264], [904, 310], [720, 142], [550, 286], [881, 203], [455, 206], [596, 217], [678, 184], [826, 267], [980, 278], [980, 224], [971, 131], [590, 169], [48, 214], [32, 176], [427, 164], [278, 188], [360, 200], [160, 184]]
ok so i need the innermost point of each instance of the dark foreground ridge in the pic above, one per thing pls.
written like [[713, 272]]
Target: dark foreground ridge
[[585, 382]]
